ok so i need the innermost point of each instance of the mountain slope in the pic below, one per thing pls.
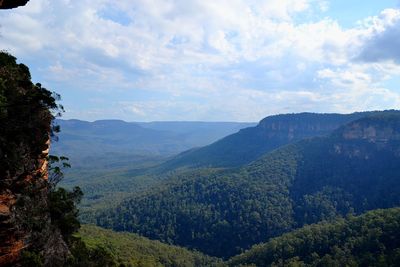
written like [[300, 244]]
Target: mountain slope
[[372, 239], [354, 169], [133, 250], [250, 143]]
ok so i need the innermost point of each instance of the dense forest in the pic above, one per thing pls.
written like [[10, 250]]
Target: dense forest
[[133, 250], [372, 239], [221, 212], [109, 178]]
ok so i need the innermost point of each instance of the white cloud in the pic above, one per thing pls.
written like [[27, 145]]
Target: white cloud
[[224, 59], [383, 39]]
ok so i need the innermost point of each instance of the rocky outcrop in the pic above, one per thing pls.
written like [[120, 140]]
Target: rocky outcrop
[[25, 119], [365, 138], [303, 125], [372, 133], [8, 4], [12, 242], [23, 202], [16, 210]]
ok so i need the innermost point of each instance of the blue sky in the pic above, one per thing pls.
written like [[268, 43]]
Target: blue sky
[[225, 60]]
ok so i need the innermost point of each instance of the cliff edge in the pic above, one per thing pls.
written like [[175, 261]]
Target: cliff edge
[[25, 119]]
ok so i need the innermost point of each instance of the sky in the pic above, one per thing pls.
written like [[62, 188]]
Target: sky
[[209, 60]]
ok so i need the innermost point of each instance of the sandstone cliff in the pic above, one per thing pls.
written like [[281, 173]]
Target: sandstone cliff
[[376, 133], [25, 120]]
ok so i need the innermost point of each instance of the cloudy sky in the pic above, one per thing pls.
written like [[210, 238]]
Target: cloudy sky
[[210, 60]]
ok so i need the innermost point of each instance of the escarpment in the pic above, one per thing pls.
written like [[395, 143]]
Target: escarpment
[[378, 134], [25, 120]]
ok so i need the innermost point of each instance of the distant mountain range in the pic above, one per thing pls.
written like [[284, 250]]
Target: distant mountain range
[[80, 139], [353, 169]]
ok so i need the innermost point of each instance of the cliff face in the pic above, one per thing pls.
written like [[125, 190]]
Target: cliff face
[[374, 133], [371, 132], [25, 120], [303, 125], [8, 4], [14, 234], [297, 130]]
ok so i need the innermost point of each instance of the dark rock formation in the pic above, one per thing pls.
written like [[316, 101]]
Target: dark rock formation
[[8, 4], [25, 120]]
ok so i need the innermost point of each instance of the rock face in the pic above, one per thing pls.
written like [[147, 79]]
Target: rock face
[[375, 133], [372, 133], [12, 243], [8, 4], [293, 127], [374, 129], [25, 121]]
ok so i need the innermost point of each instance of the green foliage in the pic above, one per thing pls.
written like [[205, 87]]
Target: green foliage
[[106, 184], [31, 259], [372, 239], [63, 210], [223, 212], [217, 212], [83, 256], [26, 113], [133, 250], [56, 167]]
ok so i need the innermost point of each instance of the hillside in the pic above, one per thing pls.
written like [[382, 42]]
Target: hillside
[[133, 250], [372, 239], [222, 212], [250, 143]]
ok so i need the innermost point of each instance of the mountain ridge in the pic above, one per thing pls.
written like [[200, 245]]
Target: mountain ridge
[[297, 184], [270, 133]]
